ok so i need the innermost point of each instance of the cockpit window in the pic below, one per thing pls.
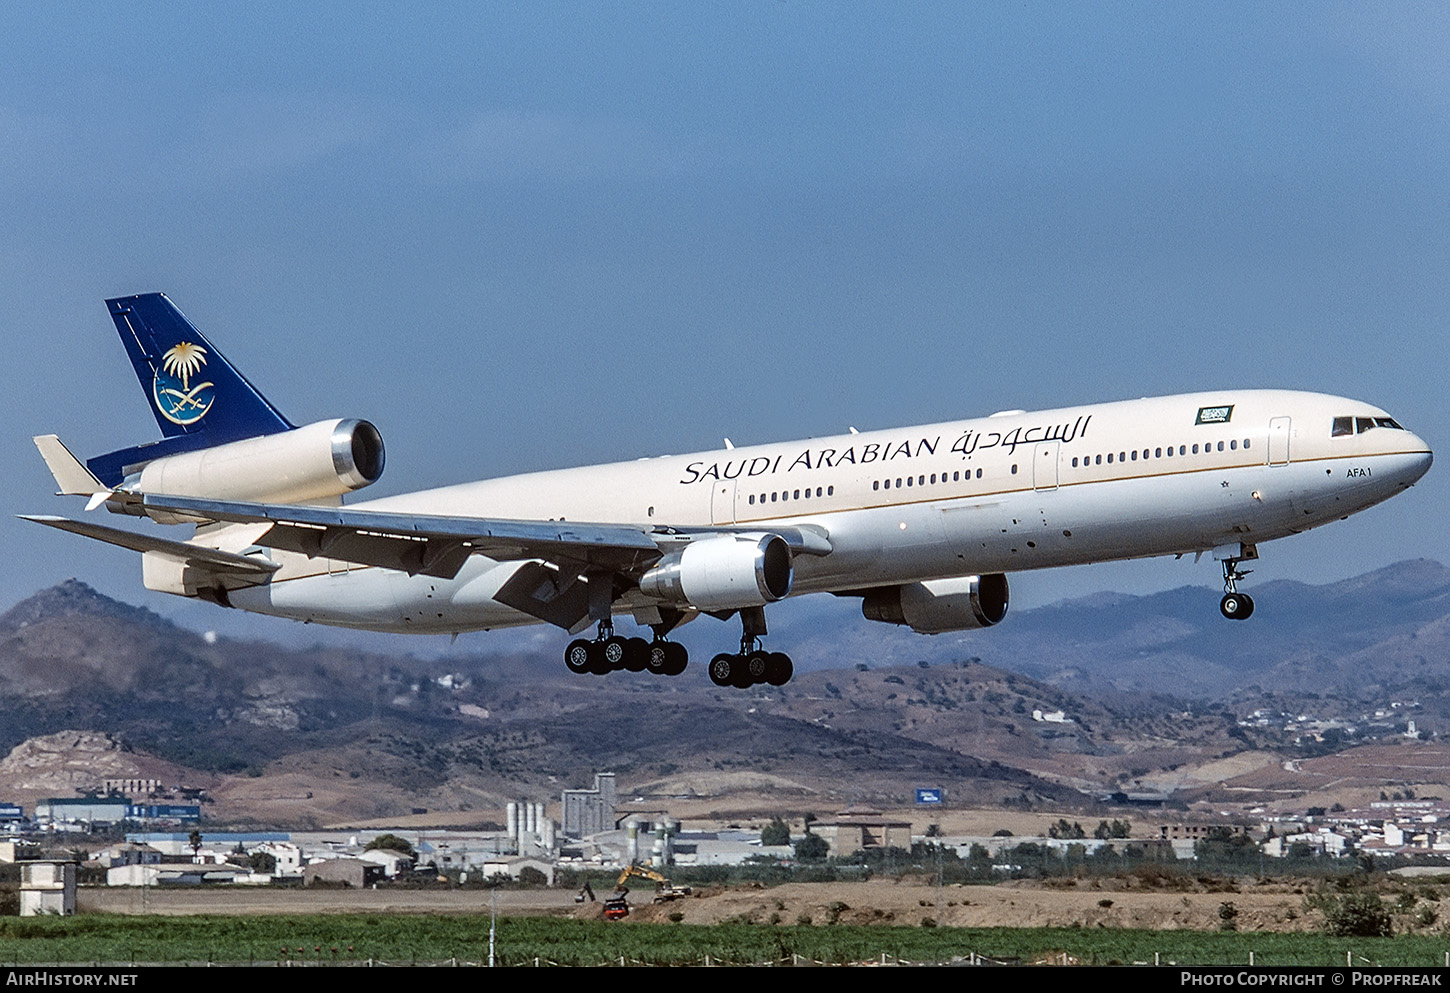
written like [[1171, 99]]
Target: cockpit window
[[1359, 425]]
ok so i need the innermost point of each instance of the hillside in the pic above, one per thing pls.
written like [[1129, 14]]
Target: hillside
[[1057, 705]]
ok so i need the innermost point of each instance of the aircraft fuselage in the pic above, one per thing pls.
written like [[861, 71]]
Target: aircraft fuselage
[[1015, 491]]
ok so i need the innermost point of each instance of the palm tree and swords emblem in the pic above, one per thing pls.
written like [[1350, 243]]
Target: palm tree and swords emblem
[[179, 401]]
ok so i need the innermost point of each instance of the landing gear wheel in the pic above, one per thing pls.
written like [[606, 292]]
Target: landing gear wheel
[[578, 656], [636, 654], [676, 658], [722, 670], [752, 669], [778, 669], [1236, 606], [657, 660], [612, 654]]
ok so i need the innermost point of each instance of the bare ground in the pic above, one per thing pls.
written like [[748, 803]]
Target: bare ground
[[1125, 902]]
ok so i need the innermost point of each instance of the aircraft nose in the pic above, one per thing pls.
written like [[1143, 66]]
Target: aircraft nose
[[1417, 461], [1424, 461]]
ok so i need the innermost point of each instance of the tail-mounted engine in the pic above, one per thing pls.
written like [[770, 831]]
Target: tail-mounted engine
[[311, 463], [724, 573], [940, 605]]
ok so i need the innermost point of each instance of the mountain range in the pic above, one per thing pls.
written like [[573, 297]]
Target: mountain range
[[1131, 687]]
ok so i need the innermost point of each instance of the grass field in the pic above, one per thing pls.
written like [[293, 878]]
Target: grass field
[[406, 939]]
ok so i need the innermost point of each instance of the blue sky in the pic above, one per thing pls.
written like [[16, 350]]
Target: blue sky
[[545, 234]]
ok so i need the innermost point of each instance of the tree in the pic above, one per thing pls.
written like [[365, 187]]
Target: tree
[[812, 848], [264, 862], [529, 876], [777, 832], [392, 843], [1358, 915]]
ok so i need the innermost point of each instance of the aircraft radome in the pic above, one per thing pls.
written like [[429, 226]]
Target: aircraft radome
[[923, 524]]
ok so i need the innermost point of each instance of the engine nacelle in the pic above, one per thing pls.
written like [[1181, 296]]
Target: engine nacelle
[[940, 605], [724, 573], [321, 460]]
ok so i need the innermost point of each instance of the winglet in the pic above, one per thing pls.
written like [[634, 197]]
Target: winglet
[[73, 478]]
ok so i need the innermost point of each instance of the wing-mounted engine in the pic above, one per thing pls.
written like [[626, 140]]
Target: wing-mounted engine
[[940, 605], [723, 573], [307, 464]]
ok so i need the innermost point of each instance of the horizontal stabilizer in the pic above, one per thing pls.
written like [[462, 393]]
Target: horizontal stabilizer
[[73, 478], [209, 558]]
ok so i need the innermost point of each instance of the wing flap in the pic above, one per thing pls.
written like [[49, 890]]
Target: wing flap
[[439, 557], [440, 545], [417, 543]]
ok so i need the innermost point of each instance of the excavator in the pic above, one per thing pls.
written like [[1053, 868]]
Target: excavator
[[617, 907]]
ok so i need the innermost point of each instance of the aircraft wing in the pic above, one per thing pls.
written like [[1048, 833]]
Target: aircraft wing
[[417, 543], [567, 566], [439, 545]]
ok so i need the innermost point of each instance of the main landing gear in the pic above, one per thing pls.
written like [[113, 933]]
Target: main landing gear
[[1235, 606], [753, 665], [608, 652]]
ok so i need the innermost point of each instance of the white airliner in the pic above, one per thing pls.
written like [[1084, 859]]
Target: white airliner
[[922, 523]]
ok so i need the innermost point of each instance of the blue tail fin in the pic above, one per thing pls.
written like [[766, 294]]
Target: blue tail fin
[[198, 398]]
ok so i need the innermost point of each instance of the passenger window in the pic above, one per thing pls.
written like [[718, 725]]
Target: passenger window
[[921, 480], [876, 485], [1233, 445], [830, 491], [1110, 458], [1014, 468], [1135, 455], [1157, 453], [1220, 446], [1183, 449], [979, 473], [752, 498], [1246, 443], [1195, 449]]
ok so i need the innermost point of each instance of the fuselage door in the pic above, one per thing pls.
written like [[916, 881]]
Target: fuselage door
[[1044, 465], [1279, 441], [722, 502]]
